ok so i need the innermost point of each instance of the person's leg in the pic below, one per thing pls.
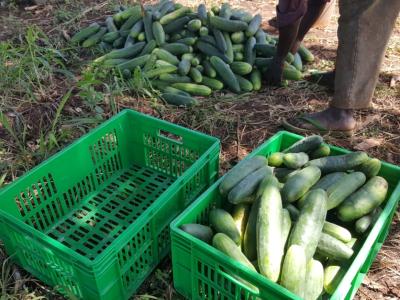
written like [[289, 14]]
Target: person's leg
[[364, 30]]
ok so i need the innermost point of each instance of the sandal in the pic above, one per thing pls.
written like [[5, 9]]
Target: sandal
[[293, 126]]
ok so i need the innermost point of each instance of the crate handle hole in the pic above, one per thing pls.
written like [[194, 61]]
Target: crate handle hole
[[170, 136]]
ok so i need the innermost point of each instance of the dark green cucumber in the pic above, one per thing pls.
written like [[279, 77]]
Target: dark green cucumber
[[226, 74], [250, 235], [245, 85], [240, 215], [275, 159], [165, 8], [332, 248], [174, 78], [95, 38], [249, 51], [114, 62], [212, 83], [129, 42], [176, 48], [339, 163], [171, 90], [111, 27], [343, 188], [254, 25], [282, 173], [328, 180], [227, 25], [241, 15], [269, 230], [223, 222], [293, 211], [265, 50], [133, 63], [158, 33], [337, 232], [202, 13], [295, 160], [365, 200], [167, 19], [245, 188], [199, 231], [308, 228], [294, 270], [225, 11], [305, 145], [176, 25], [195, 74], [299, 184], [210, 50], [314, 284], [322, 151], [128, 52], [179, 100], [128, 25], [210, 40], [148, 25], [209, 69], [370, 167], [365, 222], [110, 37], [121, 16], [261, 36], [160, 70], [194, 25], [184, 67], [220, 40], [229, 48], [190, 41]]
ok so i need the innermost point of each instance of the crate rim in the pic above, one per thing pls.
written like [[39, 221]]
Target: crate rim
[[104, 257], [353, 268]]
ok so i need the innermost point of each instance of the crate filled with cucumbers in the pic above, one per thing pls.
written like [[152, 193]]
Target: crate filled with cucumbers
[[187, 52], [295, 214]]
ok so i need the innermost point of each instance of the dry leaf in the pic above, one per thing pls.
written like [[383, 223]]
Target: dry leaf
[[367, 144]]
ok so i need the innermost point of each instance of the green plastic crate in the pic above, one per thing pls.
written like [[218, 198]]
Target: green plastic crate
[[202, 272], [93, 220]]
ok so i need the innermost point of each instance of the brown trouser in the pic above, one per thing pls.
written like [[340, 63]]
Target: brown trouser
[[364, 31]]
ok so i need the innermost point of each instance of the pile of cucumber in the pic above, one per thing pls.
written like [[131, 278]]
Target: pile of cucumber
[[295, 215], [186, 52]]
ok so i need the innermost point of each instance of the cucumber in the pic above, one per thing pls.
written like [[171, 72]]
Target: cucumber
[[141, 37], [160, 70], [202, 13], [195, 74], [174, 36], [203, 31], [297, 63], [250, 235], [215, 9], [179, 100], [254, 25], [114, 62], [333, 248], [210, 50], [305, 54], [226, 74], [105, 47], [150, 46], [184, 67], [339, 163], [220, 40], [294, 270], [229, 48], [269, 230], [308, 228], [120, 17], [212, 83], [344, 187], [209, 69], [238, 37], [295, 160], [305, 145], [238, 14], [148, 25], [110, 37], [193, 89], [365, 222], [275, 159], [261, 37], [240, 171], [201, 232], [171, 90], [190, 41], [111, 27], [158, 33], [322, 151], [314, 284], [263, 63], [299, 184], [337, 232], [238, 56], [331, 278], [133, 63], [166, 56], [245, 85], [150, 64], [290, 59], [225, 11], [240, 215], [282, 173], [365, 200], [166, 7], [128, 25], [95, 38], [291, 74], [195, 61], [174, 15], [249, 51], [245, 188], [293, 211], [194, 25], [210, 40], [255, 78], [241, 68], [286, 226], [227, 25], [129, 42], [176, 25], [128, 52], [223, 222], [265, 50], [200, 68], [370, 167], [328, 180], [176, 48], [238, 48], [174, 78]]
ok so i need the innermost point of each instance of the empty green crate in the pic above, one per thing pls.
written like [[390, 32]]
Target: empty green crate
[[202, 272], [93, 220]]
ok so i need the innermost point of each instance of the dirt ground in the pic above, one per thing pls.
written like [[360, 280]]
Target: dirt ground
[[241, 122]]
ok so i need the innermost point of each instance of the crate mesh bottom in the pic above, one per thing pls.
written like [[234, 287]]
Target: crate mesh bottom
[[103, 216]]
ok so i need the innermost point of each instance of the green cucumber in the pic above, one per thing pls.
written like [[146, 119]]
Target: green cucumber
[[176, 25], [222, 222], [295, 160], [339, 163], [282, 173], [365, 200], [225, 11], [305, 145], [229, 48], [293, 276], [95, 38], [166, 56], [275, 159], [210, 40], [269, 230], [174, 78], [297, 63], [297, 185], [308, 228], [129, 42], [328, 180], [176, 48], [238, 37], [148, 26], [190, 41], [241, 68], [220, 40], [158, 33], [265, 50], [343, 188], [227, 25], [209, 69], [199, 231], [293, 211], [286, 226], [184, 67], [175, 15], [370, 167], [240, 215], [261, 37], [195, 74], [111, 27], [110, 37], [365, 222], [171, 90], [166, 7], [203, 31], [305, 54], [150, 46], [331, 278], [226, 74], [254, 25], [121, 16], [212, 83], [238, 56], [195, 61], [337, 232], [245, 85], [193, 89], [314, 284], [210, 50], [332, 248], [250, 235], [255, 78], [202, 13], [142, 37], [160, 70], [194, 25], [179, 100], [114, 62], [133, 63], [249, 51], [128, 25], [238, 47], [129, 52], [245, 188], [322, 151], [291, 74], [238, 14]]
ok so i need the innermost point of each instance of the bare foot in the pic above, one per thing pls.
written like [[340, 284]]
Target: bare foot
[[332, 118]]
